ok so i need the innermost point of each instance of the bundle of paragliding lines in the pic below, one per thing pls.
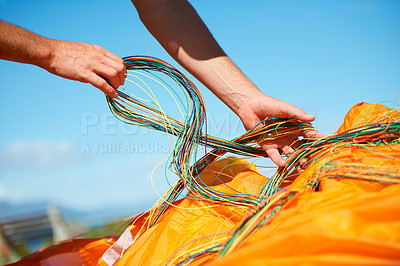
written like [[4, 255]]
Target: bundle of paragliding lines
[[190, 134]]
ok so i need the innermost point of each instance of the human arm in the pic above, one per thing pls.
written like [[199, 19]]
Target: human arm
[[72, 60], [182, 33]]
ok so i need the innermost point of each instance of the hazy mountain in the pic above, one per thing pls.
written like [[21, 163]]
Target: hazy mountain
[[95, 217]]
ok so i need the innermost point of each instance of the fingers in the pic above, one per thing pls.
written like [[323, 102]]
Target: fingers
[[299, 114], [102, 84], [122, 73], [109, 73], [262, 106], [118, 64], [287, 150], [285, 110], [106, 65], [287, 145], [312, 134], [275, 156], [271, 149], [87, 63], [113, 69]]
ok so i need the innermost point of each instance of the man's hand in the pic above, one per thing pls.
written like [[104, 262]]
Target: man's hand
[[262, 106], [87, 63], [72, 60], [179, 29]]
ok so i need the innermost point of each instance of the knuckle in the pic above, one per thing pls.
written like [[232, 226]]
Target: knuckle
[[121, 67], [113, 72], [82, 76]]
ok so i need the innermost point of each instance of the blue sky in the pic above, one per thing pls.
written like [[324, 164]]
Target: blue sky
[[58, 140]]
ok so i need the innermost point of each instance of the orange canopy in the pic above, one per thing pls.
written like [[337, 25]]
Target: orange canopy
[[345, 221]]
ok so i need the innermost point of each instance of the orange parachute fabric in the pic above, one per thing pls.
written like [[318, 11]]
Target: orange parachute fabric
[[345, 221]]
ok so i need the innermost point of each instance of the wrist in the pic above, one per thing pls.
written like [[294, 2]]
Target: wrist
[[229, 83], [45, 54], [240, 99]]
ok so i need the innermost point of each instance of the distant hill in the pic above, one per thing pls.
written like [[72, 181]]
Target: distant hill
[[92, 218], [11, 210]]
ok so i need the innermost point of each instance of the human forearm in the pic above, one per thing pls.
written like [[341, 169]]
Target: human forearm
[[228, 83], [182, 33], [20, 45], [72, 60]]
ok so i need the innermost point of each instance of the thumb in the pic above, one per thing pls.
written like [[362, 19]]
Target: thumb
[[299, 114], [250, 121]]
